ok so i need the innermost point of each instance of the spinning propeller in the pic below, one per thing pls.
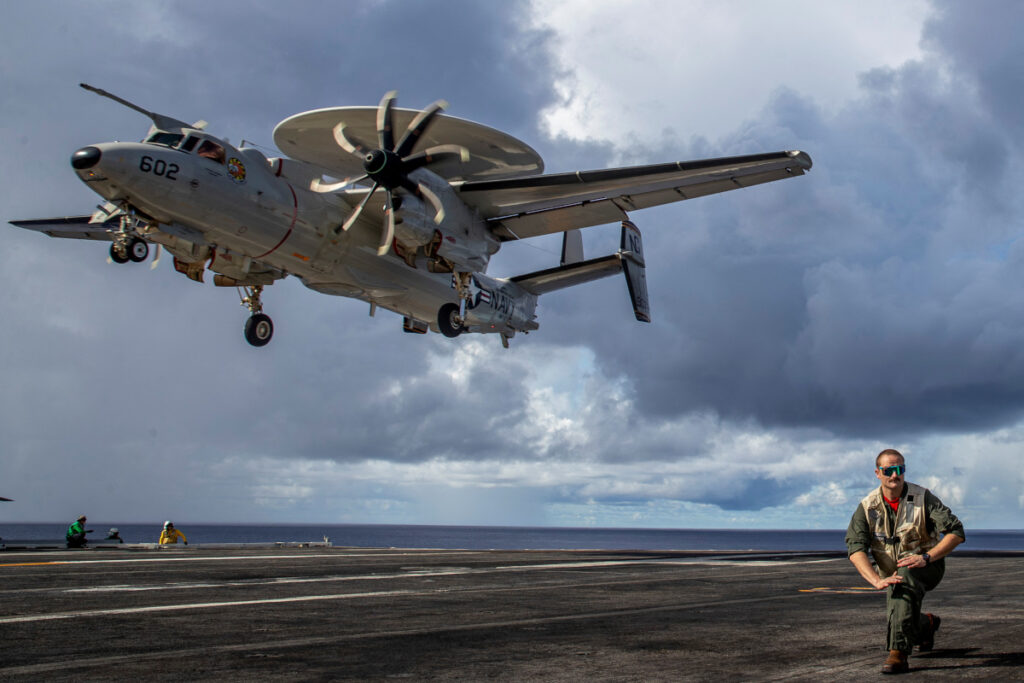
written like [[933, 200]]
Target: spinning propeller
[[389, 164]]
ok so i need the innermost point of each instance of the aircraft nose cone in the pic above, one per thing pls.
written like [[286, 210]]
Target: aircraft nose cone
[[87, 157]]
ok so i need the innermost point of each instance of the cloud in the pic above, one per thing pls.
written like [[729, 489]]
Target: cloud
[[799, 327], [693, 69]]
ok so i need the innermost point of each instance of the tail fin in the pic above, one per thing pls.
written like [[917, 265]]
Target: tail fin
[[631, 249], [572, 247]]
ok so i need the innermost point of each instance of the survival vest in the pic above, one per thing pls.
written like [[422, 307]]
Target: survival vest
[[909, 537]]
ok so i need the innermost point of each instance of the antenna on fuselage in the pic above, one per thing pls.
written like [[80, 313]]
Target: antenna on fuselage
[[159, 120]]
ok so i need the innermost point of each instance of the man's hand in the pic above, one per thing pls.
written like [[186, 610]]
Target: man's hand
[[912, 561], [882, 584], [863, 564]]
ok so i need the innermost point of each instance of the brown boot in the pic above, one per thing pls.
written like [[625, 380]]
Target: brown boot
[[896, 663], [928, 641]]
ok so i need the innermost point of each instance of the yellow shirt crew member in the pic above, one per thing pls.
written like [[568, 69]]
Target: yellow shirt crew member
[[171, 535]]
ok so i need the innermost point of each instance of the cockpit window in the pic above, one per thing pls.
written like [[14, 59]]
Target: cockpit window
[[167, 139], [189, 143], [211, 150]]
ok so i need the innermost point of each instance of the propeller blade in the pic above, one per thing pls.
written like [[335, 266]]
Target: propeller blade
[[156, 258], [389, 228], [318, 185], [429, 195], [348, 143], [359, 209], [419, 126], [436, 153], [385, 130]]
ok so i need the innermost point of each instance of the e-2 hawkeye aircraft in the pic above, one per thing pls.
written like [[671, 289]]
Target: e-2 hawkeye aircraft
[[404, 223]]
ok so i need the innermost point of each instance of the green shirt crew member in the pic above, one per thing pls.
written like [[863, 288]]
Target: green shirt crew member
[[75, 536], [907, 531]]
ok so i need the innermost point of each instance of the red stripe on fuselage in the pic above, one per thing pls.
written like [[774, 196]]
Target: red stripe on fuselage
[[291, 226]]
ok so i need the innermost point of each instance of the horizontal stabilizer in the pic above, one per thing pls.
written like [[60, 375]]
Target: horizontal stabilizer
[[74, 227], [552, 279], [629, 260]]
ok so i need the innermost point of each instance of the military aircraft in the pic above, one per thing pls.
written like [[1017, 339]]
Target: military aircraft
[[407, 223]]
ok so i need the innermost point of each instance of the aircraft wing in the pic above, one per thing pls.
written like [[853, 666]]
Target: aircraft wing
[[518, 208], [74, 227]]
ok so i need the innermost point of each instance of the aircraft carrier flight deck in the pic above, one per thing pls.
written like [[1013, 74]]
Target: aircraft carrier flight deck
[[329, 613]]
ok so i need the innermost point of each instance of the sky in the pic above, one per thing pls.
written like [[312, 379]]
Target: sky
[[798, 328]]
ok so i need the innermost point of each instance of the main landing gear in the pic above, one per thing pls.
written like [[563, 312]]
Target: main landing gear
[[451, 318], [259, 328], [449, 321]]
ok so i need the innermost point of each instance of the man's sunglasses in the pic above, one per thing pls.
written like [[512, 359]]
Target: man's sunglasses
[[898, 470]]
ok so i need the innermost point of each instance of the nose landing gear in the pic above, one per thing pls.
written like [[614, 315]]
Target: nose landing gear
[[259, 328], [127, 246], [125, 249]]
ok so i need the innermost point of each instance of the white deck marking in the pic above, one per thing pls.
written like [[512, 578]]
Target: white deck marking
[[235, 557], [313, 598], [195, 605], [263, 645], [447, 571]]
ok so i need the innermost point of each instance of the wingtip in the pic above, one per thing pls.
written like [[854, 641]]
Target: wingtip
[[802, 158]]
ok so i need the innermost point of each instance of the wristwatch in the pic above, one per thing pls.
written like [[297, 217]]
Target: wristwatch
[[927, 559]]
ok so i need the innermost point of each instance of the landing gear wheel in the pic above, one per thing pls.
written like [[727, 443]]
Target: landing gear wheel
[[449, 321], [137, 250], [259, 329], [116, 255]]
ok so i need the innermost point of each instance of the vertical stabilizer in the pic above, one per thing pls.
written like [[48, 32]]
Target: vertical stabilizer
[[631, 250], [572, 247]]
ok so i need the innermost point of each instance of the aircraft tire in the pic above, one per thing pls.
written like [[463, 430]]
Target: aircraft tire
[[259, 329], [115, 255], [138, 250], [448, 321]]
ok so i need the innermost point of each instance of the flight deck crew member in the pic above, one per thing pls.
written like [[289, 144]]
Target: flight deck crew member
[[908, 532], [75, 536], [114, 535], [171, 535]]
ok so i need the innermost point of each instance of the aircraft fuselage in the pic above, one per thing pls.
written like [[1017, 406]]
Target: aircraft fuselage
[[241, 213]]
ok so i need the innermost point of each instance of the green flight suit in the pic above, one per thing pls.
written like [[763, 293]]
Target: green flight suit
[[75, 536], [907, 625]]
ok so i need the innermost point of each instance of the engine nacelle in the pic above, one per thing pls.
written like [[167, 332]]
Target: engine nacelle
[[466, 241]]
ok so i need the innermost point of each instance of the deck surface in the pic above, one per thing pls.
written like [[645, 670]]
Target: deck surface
[[308, 614]]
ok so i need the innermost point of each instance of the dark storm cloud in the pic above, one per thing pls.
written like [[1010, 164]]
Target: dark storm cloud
[[879, 294], [982, 42], [124, 372]]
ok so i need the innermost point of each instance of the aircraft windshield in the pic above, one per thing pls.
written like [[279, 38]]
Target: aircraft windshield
[[167, 139], [211, 150]]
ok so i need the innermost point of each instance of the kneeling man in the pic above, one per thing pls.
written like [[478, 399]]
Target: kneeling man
[[908, 532]]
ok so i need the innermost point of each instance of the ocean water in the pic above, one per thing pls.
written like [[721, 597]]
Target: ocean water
[[499, 538]]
